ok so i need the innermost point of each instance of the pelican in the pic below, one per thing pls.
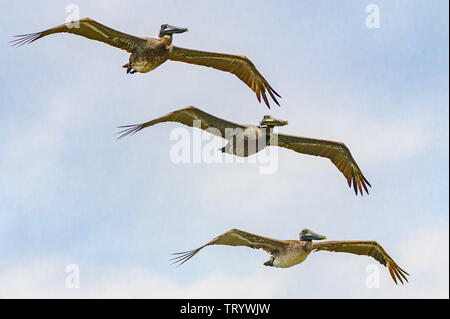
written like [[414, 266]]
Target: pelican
[[149, 53], [245, 140], [288, 253]]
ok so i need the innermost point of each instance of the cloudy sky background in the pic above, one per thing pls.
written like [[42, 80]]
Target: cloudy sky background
[[71, 194]]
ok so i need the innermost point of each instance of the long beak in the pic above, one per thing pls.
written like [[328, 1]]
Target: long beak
[[313, 236], [170, 29], [273, 122]]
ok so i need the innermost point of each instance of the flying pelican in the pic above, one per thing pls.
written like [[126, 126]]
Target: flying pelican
[[149, 53], [288, 253], [245, 140]]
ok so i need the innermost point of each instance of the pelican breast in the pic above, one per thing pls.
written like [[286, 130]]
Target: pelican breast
[[248, 141], [294, 254], [150, 56]]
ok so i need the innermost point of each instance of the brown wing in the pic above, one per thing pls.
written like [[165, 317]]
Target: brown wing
[[240, 66], [368, 248], [90, 29], [187, 116], [337, 152], [236, 237]]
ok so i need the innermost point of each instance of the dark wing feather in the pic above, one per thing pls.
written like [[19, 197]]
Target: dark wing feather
[[187, 116], [337, 152], [90, 29], [235, 237], [240, 66], [368, 248]]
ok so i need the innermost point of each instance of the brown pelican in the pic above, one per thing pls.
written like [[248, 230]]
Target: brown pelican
[[244, 140], [288, 253], [149, 53]]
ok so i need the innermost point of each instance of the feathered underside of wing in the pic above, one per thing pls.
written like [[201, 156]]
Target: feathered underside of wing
[[190, 116], [235, 237], [90, 29], [337, 152], [367, 248], [240, 66]]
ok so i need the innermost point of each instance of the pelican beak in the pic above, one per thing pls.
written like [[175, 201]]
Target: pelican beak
[[167, 29], [272, 121], [310, 235]]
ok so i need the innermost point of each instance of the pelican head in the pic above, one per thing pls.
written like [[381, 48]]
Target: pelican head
[[167, 29], [308, 235], [271, 121]]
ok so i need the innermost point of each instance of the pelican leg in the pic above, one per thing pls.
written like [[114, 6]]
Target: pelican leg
[[129, 68], [269, 262]]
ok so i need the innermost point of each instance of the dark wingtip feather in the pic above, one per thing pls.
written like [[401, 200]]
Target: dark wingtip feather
[[258, 96], [183, 257], [129, 130], [398, 276], [24, 39], [358, 180], [269, 89], [366, 180], [275, 92], [402, 273], [265, 99], [392, 274], [364, 185]]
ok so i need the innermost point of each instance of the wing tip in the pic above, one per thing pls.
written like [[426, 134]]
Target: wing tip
[[272, 92], [129, 130], [182, 257], [24, 39], [359, 182], [265, 99], [397, 273]]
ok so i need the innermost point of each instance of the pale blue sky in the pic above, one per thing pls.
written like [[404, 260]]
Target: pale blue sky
[[70, 193]]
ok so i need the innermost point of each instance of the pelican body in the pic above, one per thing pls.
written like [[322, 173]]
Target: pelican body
[[293, 252], [245, 139], [288, 253], [296, 253], [252, 139], [153, 52], [149, 53]]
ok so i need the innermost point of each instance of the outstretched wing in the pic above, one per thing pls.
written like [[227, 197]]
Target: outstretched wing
[[235, 237], [187, 116], [337, 152], [240, 66], [368, 248], [90, 29]]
